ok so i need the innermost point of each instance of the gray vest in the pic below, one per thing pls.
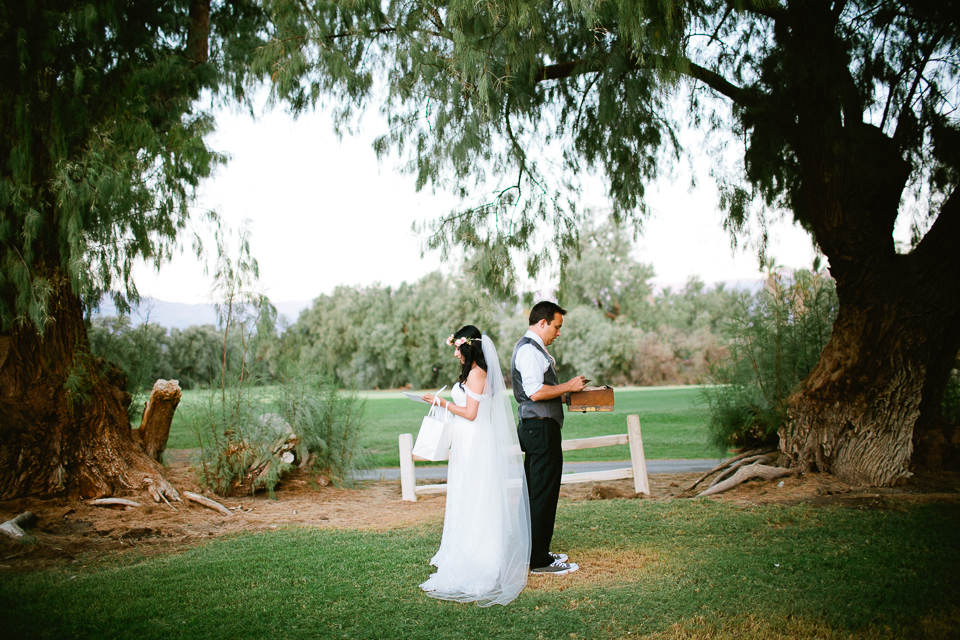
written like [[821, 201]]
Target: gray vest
[[528, 408]]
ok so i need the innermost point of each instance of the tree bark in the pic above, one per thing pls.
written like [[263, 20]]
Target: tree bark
[[878, 385], [880, 379], [64, 428], [858, 413], [198, 31], [157, 417]]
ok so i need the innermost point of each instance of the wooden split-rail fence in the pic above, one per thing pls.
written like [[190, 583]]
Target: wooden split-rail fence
[[637, 469]]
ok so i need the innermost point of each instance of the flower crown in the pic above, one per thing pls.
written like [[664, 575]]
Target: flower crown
[[459, 341]]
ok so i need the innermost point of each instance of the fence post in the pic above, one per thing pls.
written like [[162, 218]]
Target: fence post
[[408, 479], [637, 459]]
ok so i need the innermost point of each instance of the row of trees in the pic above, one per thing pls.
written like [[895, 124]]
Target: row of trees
[[619, 330], [148, 352]]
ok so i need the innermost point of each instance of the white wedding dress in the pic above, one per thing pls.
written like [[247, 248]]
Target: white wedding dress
[[485, 548]]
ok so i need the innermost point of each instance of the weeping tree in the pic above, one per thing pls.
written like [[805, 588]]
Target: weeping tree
[[101, 149], [842, 113]]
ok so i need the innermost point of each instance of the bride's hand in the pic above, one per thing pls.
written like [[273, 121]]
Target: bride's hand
[[428, 397]]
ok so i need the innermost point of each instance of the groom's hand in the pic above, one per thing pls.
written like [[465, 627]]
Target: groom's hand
[[577, 384]]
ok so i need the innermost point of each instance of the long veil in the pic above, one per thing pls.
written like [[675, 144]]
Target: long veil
[[485, 549], [513, 482]]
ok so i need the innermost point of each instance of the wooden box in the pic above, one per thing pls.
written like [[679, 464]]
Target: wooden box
[[590, 399]]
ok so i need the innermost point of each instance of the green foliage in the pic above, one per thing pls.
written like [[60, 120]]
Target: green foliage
[[196, 355], [102, 143], [142, 352], [225, 433], [461, 90], [230, 426], [328, 422], [510, 103], [602, 274], [596, 347], [683, 571], [235, 427], [376, 337], [238, 421], [778, 337], [148, 352], [617, 332]]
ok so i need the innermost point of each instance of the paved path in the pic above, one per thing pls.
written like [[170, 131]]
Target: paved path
[[653, 466]]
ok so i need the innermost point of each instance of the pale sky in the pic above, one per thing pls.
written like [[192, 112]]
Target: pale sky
[[325, 212]]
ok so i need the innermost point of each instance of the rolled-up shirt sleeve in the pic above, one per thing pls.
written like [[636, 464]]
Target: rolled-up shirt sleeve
[[531, 365]]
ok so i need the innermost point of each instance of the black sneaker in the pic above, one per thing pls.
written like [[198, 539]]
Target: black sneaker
[[559, 557], [556, 568]]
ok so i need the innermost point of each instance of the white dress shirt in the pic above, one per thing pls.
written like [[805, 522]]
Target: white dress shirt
[[531, 364]]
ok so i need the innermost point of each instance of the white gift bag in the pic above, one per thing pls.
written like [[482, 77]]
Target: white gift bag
[[436, 432]]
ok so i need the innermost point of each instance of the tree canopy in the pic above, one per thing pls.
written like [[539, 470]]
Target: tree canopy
[[845, 111], [497, 95], [102, 138]]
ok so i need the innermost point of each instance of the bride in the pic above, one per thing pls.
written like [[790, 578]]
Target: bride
[[485, 548]]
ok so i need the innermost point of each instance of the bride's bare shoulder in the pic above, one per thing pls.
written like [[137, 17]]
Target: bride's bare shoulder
[[476, 379]]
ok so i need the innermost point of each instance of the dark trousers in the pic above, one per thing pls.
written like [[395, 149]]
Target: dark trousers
[[543, 464]]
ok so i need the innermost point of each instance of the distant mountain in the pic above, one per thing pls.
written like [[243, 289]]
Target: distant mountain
[[749, 284], [179, 315]]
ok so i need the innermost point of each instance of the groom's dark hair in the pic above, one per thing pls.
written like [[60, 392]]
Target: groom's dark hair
[[545, 310]]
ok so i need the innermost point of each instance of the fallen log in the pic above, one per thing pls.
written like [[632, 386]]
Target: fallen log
[[206, 502], [726, 463], [14, 528], [747, 473], [113, 502], [158, 416]]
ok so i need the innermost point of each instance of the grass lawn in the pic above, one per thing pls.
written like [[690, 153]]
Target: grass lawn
[[674, 569], [672, 421]]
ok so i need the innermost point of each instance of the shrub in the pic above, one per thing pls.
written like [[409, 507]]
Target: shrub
[[327, 421], [778, 335], [227, 427]]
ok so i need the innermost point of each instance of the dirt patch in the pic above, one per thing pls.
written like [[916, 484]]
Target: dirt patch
[[76, 533]]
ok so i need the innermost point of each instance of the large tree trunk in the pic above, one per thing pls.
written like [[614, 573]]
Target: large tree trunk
[[862, 409], [878, 385], [64, 429]]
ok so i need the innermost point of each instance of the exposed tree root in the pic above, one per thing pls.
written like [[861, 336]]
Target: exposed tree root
[[160, 489], [728, 463], [15, 527], [745, 473], [207, 502], [760, 459], [114, 502]]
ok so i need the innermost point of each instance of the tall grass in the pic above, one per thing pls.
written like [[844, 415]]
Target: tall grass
[[327, 421]]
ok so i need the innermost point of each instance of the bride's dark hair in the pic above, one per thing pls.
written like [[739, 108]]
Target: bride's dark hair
[[471, 352]]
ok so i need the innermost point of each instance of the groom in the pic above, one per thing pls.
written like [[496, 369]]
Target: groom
[[537, 390]]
